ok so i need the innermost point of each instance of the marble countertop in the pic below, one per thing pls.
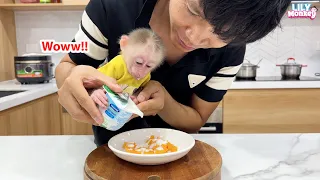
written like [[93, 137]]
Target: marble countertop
[[31, 92], [39, 90], [245, 156]]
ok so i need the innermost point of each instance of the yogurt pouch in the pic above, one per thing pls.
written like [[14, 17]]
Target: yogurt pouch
[[119, 110]]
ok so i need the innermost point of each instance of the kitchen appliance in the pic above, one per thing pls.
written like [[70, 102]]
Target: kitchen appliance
[[33, 68], [291, 69], [248, 70]]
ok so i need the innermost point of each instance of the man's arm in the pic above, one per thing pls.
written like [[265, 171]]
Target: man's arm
[[185, 118], [206, 97], [63, 69]]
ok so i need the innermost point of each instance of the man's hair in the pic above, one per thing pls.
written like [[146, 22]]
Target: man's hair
[[243, 21]]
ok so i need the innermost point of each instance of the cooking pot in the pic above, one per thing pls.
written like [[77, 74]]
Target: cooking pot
[[291, 69], [33, 68], [248, 70]]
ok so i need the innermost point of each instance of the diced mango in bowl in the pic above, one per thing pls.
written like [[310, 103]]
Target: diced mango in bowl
[[152, 145]]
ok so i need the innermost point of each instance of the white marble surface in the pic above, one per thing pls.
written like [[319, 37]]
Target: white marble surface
[[245, 157], [31, 92]]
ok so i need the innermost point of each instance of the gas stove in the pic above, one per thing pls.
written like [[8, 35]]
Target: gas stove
[[278, 78]]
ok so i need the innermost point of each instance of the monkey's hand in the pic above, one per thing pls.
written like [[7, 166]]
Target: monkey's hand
[[134, 96], [100, 98], [134, 99]]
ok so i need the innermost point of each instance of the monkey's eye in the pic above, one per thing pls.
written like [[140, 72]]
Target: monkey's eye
[[148, 66], [139, 61]]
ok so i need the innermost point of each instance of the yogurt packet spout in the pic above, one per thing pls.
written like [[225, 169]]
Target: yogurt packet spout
[[119, 110]]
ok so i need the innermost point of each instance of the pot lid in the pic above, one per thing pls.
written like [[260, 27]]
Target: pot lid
[[290, 62], [33, 56], [248, 65]]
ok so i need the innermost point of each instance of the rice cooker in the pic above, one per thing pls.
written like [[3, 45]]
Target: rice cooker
[[33, 68]]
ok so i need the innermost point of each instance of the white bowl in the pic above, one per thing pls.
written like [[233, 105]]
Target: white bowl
[[182, 140]]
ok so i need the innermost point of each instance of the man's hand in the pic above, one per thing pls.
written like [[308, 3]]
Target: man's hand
[[73, 95], [151, 99]]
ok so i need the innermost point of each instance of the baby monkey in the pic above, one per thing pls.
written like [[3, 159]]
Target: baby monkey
[[142, 51]]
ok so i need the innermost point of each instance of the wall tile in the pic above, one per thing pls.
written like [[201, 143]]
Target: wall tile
[[296, 38], [32, 26]]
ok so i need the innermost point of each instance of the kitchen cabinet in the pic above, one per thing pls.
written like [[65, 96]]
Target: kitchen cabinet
[[44, 116], [243, 111], [38, 117], [72, 127], [272, 111], [8, 44]]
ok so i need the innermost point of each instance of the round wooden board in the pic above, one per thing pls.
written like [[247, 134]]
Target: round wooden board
[[202, 162]]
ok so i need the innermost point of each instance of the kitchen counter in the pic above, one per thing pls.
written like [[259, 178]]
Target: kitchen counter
[[274, 84], [31, 92], [39, 90], [245, 156]]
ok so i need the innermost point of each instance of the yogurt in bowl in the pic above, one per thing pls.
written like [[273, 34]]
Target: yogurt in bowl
[[181, 140]]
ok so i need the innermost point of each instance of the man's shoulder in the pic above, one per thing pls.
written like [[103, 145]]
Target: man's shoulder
[[130, 6], [240, 48], [230, 48], [115, 8], [123, 2], [233, 55]]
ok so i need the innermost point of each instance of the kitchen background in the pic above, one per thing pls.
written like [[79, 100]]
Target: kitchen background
[[298, 38], [270, 105]]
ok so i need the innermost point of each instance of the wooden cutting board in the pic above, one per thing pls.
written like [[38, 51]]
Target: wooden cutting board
[[202, 162]]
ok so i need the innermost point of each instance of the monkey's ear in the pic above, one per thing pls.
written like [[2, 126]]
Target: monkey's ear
[[123, 41]]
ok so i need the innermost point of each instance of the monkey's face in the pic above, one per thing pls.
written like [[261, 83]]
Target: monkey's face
[[140, 67], [141, 60], [188, 28]]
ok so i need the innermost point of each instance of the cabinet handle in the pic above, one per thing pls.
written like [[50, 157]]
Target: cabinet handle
[[208, 129]]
